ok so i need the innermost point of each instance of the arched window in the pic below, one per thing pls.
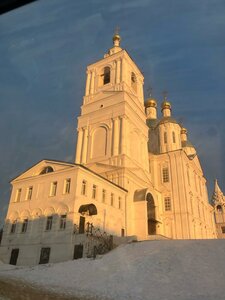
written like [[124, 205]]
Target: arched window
[[47, 169], [106, 75], [174, 137], [219, 208], [133, 82]]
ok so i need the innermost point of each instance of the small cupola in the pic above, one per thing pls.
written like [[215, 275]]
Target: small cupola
[[166, 106], [183, 133], [151, 108], [116, 40]]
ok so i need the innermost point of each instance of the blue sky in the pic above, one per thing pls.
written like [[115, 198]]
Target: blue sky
[[46, 46]]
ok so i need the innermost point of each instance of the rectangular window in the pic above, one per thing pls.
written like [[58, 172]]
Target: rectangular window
[[103, 195], [174, 137], [24, 225], [13, 227], [29, 193], [112, 199], [84, 187], [223, 229], [94, 191], [49, 223], [167, 203], [165, 137], [18, 195], [53, 188], [62, 224], [165, 173], [67, 186]]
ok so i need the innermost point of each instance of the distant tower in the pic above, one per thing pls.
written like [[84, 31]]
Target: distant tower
[[218, 200]]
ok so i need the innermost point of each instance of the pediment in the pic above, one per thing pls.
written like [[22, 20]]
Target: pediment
[[44, 167]]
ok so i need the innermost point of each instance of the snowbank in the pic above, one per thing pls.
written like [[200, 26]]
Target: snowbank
[[151, 270]]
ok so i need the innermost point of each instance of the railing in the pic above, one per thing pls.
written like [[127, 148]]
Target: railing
[[98, 242]]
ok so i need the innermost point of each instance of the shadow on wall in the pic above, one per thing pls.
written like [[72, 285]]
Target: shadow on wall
[[52, 238]]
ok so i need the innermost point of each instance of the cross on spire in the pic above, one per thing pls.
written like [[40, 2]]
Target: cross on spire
[[165, 94]]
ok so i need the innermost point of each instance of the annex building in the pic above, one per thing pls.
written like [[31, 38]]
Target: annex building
[[135, 174]]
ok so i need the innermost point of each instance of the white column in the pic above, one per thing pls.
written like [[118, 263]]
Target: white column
[[115, 136], [79, 145], [118, 71], [87, 90], [123, 70], [123, 137], [92, 82], [84, 148]]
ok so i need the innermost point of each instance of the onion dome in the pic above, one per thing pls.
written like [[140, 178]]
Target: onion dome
[[165, 105], [116, 39], [150, 103], [183, 130]]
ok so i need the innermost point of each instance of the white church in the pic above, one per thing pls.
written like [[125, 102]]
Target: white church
[[136, 176]]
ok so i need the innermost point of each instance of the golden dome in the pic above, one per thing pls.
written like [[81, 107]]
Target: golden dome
[[166, 104], [150, 103], [116, 37], [183, 130]]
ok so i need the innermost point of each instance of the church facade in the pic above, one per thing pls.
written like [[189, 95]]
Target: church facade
[[135, 174]]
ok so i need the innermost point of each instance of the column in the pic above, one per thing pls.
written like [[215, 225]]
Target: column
[[116, 136], [84, 148], [123, 70], [118, 71], [123, 135], [79, 145], [92, 82], [87, 90]]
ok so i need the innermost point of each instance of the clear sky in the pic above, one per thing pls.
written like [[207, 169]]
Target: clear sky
[[45, 48]]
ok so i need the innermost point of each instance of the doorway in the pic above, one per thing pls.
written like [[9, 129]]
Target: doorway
[[82, 224], [45, 254], [78, 251], [151, 214], [14, 256]]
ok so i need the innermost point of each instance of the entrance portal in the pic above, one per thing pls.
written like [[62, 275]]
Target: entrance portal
[[14, 256], [151, 214]]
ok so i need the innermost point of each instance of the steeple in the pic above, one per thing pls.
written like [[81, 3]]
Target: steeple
[[217, 194]]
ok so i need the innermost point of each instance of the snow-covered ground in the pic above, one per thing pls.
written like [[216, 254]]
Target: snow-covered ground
[[151, 270]]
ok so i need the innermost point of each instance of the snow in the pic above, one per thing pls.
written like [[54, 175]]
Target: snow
[[150, 270]]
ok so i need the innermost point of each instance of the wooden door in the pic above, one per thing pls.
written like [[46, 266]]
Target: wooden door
[[14, 256]]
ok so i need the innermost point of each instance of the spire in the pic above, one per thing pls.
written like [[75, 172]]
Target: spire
[[217, 194]]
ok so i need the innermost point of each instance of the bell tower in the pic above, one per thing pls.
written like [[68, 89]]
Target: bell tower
[[112, 127]]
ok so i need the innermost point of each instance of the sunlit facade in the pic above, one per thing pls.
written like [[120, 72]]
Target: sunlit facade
[[135, 174]]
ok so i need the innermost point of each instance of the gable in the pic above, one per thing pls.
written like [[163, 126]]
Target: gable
[[43, 167]]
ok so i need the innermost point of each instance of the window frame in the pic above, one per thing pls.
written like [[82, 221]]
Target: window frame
[[167, 203], [49, 223], [165, 175], [24, 225], [29, 193], [94, 191], [67, 186], [62, 222], [18, 195], [53, 188], [84, 187]]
